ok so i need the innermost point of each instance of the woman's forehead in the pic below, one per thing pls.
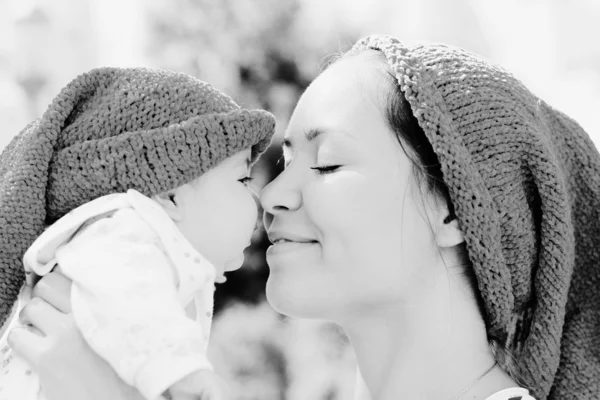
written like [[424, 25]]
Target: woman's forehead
[[348, 95], [350, 75]]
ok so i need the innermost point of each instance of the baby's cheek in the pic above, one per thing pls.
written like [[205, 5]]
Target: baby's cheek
[[251, 204], [242, 219]]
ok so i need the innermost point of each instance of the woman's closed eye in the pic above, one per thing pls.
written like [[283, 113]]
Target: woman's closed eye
[[326, 169]]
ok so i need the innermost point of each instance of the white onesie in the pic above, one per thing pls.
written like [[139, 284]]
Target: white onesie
[[134, 274]]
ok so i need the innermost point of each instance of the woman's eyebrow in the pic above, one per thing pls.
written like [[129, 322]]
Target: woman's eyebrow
[[310, 135], [314, 133]]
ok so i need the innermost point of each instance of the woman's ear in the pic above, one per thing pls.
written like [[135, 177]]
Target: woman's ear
[[444, 224], [448, 233], [168, 201]]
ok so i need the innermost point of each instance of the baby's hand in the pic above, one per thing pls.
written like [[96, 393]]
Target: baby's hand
[[199, 385]]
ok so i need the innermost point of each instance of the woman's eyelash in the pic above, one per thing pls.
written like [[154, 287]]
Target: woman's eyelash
[[246, 180], [326, 169]]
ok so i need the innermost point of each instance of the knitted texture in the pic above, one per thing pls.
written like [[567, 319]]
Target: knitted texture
[[108, 131], [525, 183]]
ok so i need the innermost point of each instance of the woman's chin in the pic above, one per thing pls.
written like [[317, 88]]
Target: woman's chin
[[292, 301]]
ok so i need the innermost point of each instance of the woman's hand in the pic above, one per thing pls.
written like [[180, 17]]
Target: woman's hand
[[54, 347]]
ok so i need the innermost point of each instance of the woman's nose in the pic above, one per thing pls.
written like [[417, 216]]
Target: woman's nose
[[280, 195]]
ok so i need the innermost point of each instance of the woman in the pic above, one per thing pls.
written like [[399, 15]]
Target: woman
[[444, 216]]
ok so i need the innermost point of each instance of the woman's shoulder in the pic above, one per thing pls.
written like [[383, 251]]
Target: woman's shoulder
[[511, 394]]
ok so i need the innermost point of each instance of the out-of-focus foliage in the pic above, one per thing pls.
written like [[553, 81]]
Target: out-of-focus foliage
[[245, 47], [262, 52], [263, 356]]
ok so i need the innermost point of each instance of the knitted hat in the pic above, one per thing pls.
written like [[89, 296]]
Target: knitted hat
[[107, 131], [525, 183]]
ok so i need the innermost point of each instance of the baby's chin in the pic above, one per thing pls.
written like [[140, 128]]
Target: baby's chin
[[231, 265]]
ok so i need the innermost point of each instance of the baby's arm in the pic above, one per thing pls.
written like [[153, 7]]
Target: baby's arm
[[125, 303]]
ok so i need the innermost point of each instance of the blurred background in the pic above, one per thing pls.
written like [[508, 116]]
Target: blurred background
[[264, 53]]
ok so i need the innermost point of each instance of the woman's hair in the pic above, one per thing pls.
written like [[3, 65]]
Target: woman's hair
[[428, 174]]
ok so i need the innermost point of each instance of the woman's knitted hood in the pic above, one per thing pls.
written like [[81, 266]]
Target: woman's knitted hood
[[525, 183]]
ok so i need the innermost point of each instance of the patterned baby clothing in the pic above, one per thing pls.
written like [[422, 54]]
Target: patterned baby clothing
[[134, 276]]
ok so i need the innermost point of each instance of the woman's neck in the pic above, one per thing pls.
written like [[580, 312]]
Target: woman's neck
[[431, 349]]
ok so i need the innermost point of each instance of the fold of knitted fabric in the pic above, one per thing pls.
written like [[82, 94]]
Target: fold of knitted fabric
[[107, 131], [524, 180]]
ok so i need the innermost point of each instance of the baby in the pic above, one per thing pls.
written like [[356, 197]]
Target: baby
[[140, 177]]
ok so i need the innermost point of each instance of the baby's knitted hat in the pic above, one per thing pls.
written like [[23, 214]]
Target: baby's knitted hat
[[111, 130], [525, 183]]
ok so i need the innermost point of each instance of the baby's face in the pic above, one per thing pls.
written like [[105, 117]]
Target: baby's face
[[217, 213]]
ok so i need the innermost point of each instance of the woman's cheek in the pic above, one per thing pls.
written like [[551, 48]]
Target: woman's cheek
[[341, 209], [363, 224], [337, 201]]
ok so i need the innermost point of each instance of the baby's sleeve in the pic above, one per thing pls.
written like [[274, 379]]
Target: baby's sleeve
[[124, 301]]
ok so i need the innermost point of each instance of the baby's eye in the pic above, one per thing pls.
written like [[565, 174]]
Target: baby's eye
[[246, 180]]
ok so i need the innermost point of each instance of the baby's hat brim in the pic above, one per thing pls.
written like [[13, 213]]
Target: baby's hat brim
[[155, 160]]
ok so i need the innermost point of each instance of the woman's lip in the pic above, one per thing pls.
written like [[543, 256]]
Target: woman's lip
[[283, 241], [291, 246], [276, 235]]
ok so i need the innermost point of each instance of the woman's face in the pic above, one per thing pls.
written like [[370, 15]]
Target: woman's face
[[346, 217]]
